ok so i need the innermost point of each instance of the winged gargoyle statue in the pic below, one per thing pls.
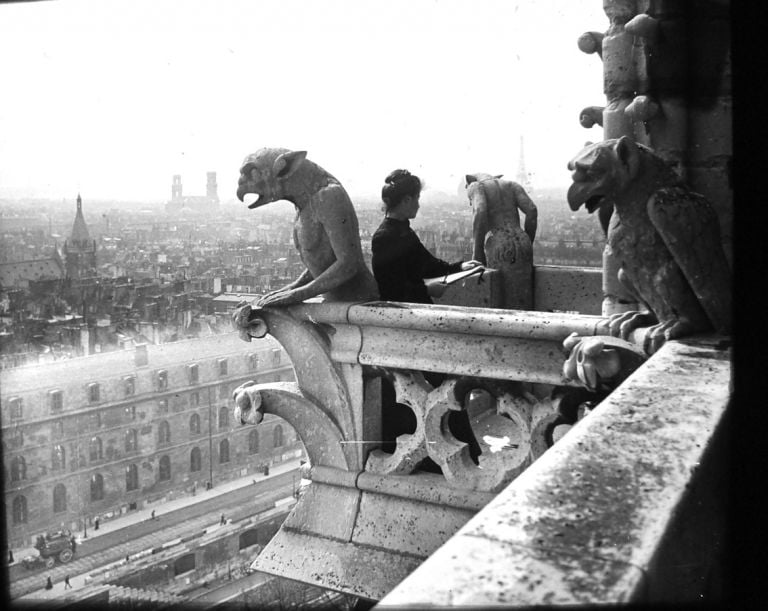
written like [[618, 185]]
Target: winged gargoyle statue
[[665, 237]]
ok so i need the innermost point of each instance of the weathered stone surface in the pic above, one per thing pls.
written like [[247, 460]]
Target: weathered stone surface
[[359, 570], [482, 573], [424, 487], [567, 289], [584, 512], [510, 428], [472, 292], [326, 511], [481, 356], [410, 389], [595, 513], [355, 541], [383, 520]]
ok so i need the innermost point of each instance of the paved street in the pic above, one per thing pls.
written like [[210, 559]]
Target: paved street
[[137, 532]]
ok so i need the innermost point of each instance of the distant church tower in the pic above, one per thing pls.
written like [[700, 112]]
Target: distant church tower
[[212, 189], [522, 177], [199, 203], [80, 249], [176, 188]]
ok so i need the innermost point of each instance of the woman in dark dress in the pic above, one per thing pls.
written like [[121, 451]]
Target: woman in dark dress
[[400, 261], [400, 264]]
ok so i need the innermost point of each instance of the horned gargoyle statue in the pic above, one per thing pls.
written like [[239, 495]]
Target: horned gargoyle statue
[[499, 240], [666, 239], [325, 232]]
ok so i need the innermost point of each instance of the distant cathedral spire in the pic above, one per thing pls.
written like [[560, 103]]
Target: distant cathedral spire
[[79, 228], [80, 249], [522, 175]]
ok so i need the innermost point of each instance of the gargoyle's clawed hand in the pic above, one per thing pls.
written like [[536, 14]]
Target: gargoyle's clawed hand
[[248, 409], [623, 324], [670, 329], [600, 362], [284, 296]]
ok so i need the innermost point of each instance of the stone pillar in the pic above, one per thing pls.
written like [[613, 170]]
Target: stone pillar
[[688, 96], [621, 80], [670, 88], [667, 80]]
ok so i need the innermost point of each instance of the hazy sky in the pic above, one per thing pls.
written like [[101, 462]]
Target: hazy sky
[[111, 98]]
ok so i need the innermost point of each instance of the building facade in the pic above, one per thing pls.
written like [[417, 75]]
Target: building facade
[[104, 434]]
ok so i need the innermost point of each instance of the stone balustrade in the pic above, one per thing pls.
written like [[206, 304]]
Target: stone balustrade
[[616, 487], [371, 517], [629, 507]]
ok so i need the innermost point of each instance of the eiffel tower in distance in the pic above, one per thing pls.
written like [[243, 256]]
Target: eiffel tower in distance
[[522, 177]]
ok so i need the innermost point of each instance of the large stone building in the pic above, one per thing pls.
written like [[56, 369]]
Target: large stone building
[[104, 434]]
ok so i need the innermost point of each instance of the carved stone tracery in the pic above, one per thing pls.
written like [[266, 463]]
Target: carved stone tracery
[[335, 417], [513, 431]]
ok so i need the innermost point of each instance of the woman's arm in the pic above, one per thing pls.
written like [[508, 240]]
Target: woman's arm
[[429, 265]]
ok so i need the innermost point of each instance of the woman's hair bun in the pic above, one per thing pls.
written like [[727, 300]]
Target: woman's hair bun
[[397, 185], [396, 176]]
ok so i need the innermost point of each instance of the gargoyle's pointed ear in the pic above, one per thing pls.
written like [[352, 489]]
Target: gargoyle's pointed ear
[[469, 179], [287, 163], [498, 175], [628, 154]]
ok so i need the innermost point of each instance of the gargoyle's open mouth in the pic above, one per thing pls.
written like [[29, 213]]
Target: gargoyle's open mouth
[[249, 198], [583, 194], [593, 203]]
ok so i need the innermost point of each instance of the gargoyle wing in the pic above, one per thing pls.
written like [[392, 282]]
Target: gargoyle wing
[[689, 227]]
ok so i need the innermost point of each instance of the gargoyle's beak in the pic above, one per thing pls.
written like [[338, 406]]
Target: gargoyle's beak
[[582, 193], [242, 191]]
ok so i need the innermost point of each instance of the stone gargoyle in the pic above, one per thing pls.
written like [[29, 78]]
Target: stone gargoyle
[[665, 237], [499, 240], [325, 232]]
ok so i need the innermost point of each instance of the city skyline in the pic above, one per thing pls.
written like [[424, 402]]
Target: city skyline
[[113, 98]]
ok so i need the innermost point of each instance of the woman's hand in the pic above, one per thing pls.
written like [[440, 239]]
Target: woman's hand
[[469, 265]]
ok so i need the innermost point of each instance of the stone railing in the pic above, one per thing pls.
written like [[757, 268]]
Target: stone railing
[[369, 518], [629, 507]]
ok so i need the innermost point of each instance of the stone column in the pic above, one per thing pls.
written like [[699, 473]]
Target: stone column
[[667, 80], [621, 80], [686, 104]]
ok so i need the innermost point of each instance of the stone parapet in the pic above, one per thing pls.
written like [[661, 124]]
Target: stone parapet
[[615, 512], [370, 516]]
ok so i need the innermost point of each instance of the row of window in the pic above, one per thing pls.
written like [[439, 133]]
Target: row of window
[[95, 447], [15, 439], [56, 397], [19, 509]]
